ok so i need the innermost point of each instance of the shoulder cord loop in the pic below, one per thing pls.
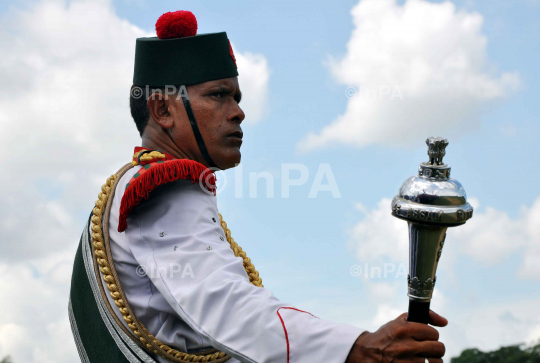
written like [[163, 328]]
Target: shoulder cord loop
[[114, 286]]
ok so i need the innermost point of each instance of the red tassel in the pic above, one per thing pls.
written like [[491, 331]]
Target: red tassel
[[160, 174]]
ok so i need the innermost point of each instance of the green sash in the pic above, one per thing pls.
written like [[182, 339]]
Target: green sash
[[97, 333]]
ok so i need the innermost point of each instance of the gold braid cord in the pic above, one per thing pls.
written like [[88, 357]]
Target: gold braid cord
[[148, 340], [253, 274]]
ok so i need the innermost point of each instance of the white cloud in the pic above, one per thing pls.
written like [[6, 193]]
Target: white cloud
[[382, 291], [253, 78], [420, 68], [489, 237], [384, 314], [488, 327], [34, 310], [379, 235], [531, 220], [65, 74]]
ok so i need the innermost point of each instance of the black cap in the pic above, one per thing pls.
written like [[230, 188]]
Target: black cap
[[183, 61]]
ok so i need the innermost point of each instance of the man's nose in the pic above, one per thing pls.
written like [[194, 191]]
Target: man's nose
[[238, 115]]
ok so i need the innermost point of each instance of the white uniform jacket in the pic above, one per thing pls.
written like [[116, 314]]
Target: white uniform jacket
[[186, 286]]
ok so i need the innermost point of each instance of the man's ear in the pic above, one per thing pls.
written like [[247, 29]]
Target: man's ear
[[158, 105]]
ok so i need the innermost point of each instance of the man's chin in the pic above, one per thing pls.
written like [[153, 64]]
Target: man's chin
[[230, 160]]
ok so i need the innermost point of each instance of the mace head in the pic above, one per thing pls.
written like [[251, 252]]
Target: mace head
[[431, 196]]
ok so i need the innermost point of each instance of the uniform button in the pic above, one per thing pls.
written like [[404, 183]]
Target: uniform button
[[162, 234], [221, 238], [208, 247], [213, 220]]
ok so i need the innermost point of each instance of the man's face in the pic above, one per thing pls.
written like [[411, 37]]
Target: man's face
[[218, 115]]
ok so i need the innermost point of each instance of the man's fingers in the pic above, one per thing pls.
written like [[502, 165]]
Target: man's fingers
[[430, 349], [402, 317], [434, 319], [437, 320], [422, 332]]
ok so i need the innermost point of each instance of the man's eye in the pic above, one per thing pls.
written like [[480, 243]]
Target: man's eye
[[217, 94]]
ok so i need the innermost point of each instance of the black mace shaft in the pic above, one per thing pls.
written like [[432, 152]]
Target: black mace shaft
[[418, 311]]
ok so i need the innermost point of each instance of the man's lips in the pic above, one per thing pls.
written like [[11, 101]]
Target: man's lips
[[236, 135]]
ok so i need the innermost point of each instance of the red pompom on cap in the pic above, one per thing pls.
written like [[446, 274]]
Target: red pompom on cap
[[177, 24]]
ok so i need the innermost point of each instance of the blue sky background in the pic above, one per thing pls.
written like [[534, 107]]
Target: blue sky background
[[300, 243], [304, 247]]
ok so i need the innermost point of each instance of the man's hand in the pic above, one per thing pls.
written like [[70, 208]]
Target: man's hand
[[400, 341]]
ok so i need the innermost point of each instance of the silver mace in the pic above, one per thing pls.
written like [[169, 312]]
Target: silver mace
[[430, 202]]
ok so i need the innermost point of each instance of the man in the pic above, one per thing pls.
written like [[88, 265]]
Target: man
[[157, 276]]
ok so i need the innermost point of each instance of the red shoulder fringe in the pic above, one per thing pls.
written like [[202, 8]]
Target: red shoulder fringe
[[159, 174]]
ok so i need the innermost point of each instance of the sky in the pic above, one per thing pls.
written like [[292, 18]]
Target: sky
[[341, 94]]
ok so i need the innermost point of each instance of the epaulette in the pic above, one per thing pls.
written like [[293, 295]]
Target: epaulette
[[159, 168]]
